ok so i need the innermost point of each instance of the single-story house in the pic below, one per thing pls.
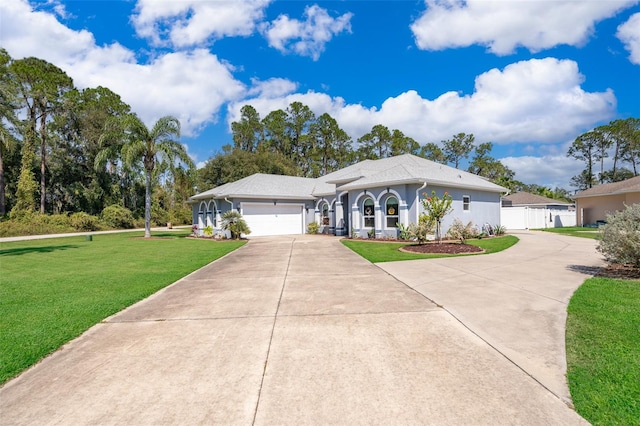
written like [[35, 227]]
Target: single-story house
[[594, 204], [369, 198], [523, 210]]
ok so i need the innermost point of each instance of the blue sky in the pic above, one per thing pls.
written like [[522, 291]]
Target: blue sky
[[529, 76]]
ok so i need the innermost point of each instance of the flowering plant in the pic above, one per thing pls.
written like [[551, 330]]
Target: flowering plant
[[194, 230], [437, 208]]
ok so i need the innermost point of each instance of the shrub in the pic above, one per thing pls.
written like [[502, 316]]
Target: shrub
[[208, 231], [499, 230], [459, 231], [116, 216], [84, 222], [404, 232], [620, 237], [313, 227], [233, 222], [181, 215], [419, 232], [159, 216], [31, 223]]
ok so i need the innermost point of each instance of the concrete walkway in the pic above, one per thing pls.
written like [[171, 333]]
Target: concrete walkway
[[297, 331], [79, 234], [515, 300]]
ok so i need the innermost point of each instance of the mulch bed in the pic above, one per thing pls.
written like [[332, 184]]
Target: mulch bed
[[442, 248], [623, 272]]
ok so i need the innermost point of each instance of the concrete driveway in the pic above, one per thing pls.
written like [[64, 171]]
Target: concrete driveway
[[303, 331]]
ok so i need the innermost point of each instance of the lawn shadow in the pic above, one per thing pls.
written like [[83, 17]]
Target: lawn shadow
[[43, 249]]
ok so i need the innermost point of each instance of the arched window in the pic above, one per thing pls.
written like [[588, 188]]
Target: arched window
[[211, 214], [202, 215], [391, 212], [325, 214], [368, 213]]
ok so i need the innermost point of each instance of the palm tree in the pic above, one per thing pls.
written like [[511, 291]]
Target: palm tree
[[139, 144]]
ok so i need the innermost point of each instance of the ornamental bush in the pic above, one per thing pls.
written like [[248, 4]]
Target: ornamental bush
[[313, 228], [620, 237], [437, 208], [116, 216], [459, 231], [233, 222]]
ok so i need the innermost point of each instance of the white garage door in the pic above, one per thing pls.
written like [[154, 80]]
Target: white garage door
[[267, 219]]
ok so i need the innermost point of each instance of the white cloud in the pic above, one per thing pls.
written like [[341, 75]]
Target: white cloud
[[189, 85], [271, 88], [193, 22], [535, 101], [308, 37], [549, 170], [629, 34], [502, 26]]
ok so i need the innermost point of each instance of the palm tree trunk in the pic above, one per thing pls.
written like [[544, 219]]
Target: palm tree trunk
[[147, 205]]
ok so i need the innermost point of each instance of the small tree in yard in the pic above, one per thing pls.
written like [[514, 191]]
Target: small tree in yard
[[233, 222], [437, 208], [620, 237]]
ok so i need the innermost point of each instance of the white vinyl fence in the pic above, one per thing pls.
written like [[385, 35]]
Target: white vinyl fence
[[534, 218]]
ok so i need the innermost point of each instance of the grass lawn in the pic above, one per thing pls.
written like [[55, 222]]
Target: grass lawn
[[388, 252], [53, 290], [575, 231], [603, 351]]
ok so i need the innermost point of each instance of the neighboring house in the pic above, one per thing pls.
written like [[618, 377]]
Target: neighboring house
[[594, 204], [367, 198], [524, 210]]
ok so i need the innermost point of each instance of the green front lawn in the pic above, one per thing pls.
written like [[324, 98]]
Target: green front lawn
[[603, 351], [575, 231], [53, 290], [375, 251]]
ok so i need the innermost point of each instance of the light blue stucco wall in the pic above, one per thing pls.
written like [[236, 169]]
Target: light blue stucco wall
[[484, 208]]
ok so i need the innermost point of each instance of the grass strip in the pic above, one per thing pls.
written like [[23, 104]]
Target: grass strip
[[376, 252], [575, 231], [51, 291], [603, 351]]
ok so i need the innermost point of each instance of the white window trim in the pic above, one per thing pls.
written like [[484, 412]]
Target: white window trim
[[397, 215], [468, 204], [372, 215]]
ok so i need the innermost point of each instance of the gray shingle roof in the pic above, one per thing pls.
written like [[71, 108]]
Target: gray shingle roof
[[526, 198], [409, 168], [263, 186], [622, 187]]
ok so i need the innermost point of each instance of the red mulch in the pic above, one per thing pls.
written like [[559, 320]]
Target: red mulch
[[443, 248]]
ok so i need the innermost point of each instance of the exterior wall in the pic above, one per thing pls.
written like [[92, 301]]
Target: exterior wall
[[223, 206], [347, 218], [484, 206], [589, 210], [379, 197]]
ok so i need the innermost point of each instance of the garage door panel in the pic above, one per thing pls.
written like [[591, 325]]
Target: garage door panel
[[268, 219]]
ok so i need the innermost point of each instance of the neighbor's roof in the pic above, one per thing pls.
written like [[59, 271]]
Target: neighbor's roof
[[622, 187], [402, 169], [272, 187], [528, 199]]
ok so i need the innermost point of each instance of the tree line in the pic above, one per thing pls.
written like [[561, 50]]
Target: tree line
[[620, 141], [65, 150], [294, 141]]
